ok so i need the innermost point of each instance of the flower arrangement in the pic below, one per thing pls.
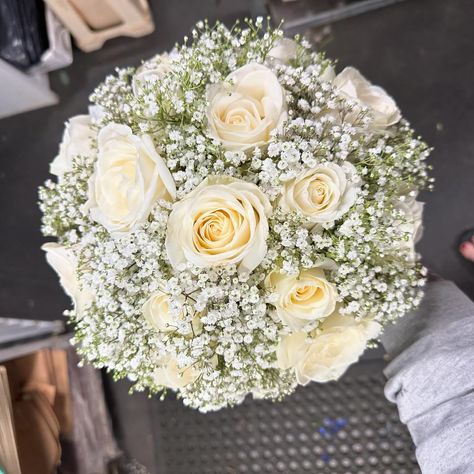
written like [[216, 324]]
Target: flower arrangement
[[235, 218]]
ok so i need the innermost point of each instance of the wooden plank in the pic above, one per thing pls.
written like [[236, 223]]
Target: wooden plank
[[8, 450]]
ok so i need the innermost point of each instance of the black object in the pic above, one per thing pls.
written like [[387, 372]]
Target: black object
[[23, 34]]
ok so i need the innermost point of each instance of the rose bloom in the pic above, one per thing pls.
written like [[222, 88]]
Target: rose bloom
[[77, 140], [170, 375], [157, 312], [322, 194], [64, 263], [223, 221], [351, 84], [303, 298], [327, 355], [151, 72], [129, 178], [284, 50], [244, 111], [413, 226]]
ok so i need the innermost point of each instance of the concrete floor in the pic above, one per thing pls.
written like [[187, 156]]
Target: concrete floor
[[421, 51]]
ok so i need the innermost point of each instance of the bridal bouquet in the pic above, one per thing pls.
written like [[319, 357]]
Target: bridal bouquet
[[235, 217]]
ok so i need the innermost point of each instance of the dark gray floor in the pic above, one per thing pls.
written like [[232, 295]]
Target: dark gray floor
[[338, 428], [422, 51]]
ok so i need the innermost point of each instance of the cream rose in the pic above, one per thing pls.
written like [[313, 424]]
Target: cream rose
[[170, 375], [413, 226], [351, 84], [322, 194], [244, 110], [304, 298], [159, 315], [326, 356], [129, 177], [292, 349], [328, 75], [151, 72], [284, 50], [223, 221], [77, 140], [64, 263]]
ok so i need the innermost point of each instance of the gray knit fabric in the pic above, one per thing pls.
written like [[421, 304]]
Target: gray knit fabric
[[431, 378]]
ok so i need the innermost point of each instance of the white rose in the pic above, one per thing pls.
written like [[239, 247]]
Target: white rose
[[291, 350], [303, 298], [77, 140], [159, 315], [284, 50], [150, 72], [223, 221], [328, 75], [244, 111], [322, 194], [129, 178], [351, 84], [326, 356], [413, 226], [64, 263], [170, 375], [342, 342]]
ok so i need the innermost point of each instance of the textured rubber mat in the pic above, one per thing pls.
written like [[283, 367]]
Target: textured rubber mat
[[343, 427]]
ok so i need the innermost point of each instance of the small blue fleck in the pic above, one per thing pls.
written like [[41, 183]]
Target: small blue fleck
[[341, 422], [325, 457]]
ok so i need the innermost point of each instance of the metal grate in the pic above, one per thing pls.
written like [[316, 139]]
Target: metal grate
[[344, 427]]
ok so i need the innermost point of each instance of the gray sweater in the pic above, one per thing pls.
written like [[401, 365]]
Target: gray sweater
[[431, 378]]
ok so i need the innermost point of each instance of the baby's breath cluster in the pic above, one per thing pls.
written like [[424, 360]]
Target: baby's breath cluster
[[235, 217]]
